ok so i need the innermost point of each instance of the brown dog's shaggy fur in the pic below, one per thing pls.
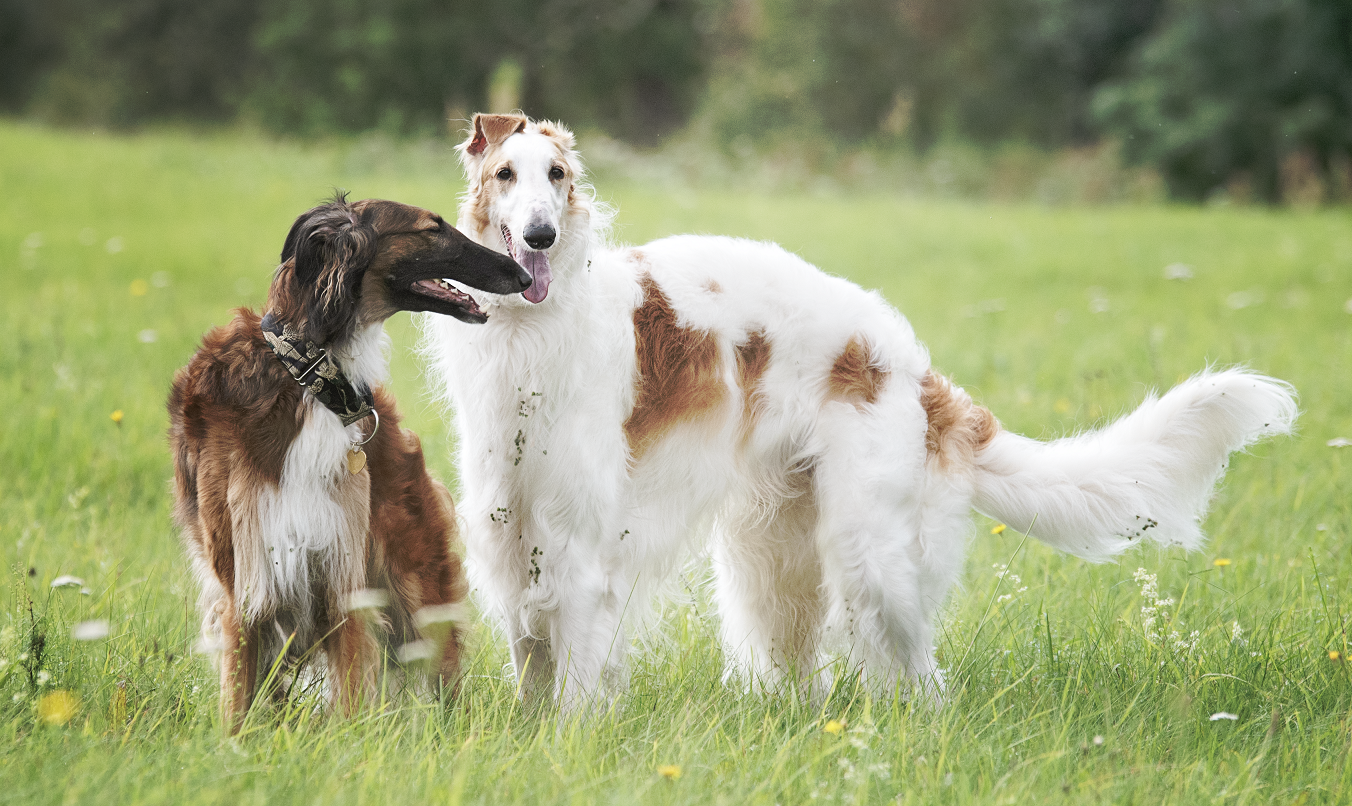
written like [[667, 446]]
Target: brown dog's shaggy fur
[[260, 464]]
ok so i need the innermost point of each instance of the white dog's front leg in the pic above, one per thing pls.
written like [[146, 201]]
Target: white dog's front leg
[[588, 642]]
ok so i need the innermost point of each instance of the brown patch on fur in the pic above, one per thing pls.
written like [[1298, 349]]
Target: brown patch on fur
[[855, 377], [753, 356], [678, 378], [957, 427], [713, 287]]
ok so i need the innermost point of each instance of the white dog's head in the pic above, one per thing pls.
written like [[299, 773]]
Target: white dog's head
[[523, 196]]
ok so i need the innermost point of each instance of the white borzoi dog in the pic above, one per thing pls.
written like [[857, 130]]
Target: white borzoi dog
[[634, 402]]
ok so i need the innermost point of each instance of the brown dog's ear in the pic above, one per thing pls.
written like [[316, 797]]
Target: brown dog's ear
[[326, 252], [490, 130]]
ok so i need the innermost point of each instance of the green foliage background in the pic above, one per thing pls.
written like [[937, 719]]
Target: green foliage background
[[1252, 98]]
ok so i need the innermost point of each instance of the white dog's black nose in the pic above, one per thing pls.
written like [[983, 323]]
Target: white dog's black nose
[[539, 236]]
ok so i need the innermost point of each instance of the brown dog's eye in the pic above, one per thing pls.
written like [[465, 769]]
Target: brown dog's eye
[[505, 173], [555, 173]]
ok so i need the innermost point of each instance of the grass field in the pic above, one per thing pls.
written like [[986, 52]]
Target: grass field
[[117, 253]]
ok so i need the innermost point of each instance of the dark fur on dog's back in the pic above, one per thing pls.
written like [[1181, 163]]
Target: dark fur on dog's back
[[235, 413]]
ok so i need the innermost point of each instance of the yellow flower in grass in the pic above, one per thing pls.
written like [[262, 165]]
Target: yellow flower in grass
[[669, 771], [58, 707], [1335, 655], [1221, 562], [116, 416], [139, 288], [834, 727], [998, 528]]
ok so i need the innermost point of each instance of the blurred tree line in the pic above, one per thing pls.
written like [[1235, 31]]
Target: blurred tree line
[[1253, 96]]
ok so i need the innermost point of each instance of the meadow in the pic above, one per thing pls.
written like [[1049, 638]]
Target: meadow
[[1165, 677]]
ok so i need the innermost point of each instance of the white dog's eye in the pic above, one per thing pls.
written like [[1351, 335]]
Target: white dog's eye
[[556, 173], [505, 173]]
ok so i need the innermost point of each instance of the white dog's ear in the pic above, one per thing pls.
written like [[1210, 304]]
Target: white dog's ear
[[491, 130]]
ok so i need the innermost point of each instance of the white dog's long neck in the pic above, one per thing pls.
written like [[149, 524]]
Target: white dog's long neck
[[365, 357]]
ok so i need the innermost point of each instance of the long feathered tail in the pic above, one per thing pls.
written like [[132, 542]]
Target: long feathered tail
[[1147, 476]]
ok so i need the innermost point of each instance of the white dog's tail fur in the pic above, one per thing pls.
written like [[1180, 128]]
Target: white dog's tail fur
[[1147, 476]]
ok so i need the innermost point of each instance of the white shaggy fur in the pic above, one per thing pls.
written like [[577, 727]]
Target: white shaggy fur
[[830, 528]]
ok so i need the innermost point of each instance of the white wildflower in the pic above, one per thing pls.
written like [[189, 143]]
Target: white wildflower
[[454, 613], [1236, 632], [1219, 715], [67, 581], [90, 630], [416, 651], [366, 599], [44, 677]]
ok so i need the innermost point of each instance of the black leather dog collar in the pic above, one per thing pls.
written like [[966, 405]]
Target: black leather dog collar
[[313, 368]]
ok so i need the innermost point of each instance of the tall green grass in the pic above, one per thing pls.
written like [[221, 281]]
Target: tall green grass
[[116, 253]]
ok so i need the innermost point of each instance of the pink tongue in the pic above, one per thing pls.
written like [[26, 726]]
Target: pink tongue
[[537, 263]]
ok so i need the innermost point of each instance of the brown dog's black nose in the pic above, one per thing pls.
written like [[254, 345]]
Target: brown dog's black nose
[[539, 236]]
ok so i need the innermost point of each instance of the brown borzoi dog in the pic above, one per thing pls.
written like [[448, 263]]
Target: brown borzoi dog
[[301, 499]]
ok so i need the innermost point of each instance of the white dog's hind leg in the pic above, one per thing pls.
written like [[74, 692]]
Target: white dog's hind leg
[[870, 480], [768, 580]]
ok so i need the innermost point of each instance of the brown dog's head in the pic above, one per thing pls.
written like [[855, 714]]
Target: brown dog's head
[[345, 265]]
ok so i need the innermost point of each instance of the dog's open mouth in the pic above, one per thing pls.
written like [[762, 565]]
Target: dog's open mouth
[[535, 262], [445, 292]]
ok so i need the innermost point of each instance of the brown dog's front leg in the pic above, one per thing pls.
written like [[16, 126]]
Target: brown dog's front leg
[[239, 665], [351, 653]]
